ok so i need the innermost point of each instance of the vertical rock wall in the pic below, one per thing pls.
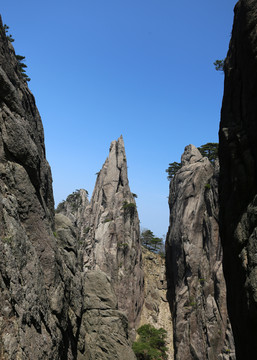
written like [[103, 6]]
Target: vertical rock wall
[[47, 306], [74, 208], [238, 178], [109, 232], [196, 285], [32, 272], [156, 310], [113, 235]]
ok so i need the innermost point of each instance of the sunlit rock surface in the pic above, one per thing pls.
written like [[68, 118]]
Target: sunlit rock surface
[[196, 286], [109, 232], [45, 296], [156, 310]]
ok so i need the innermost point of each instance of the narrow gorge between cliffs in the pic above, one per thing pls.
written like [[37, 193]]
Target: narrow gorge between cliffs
[[76, 282]]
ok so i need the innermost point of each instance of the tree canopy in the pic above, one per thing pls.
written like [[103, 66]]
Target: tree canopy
[[150, 241], [151, 343], [219, 65], [20, 64], [209, 150], [172, 169]]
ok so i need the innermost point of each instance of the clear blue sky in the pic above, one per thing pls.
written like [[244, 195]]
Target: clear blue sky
[[140, 68]]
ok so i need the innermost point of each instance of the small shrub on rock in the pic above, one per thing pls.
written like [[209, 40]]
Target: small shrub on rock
[[151, 343]]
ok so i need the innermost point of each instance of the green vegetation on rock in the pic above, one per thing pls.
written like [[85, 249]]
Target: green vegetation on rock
[[219, 65], [172, 169], [20, 65], [151, 343], [151, 242], [129, 208], [209, 150]]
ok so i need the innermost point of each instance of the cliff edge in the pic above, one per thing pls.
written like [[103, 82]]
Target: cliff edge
[[49, 307], [238, 178], [196, 286]]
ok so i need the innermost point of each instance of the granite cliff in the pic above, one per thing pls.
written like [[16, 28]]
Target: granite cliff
[[112, 236], [238, 179], [108, 230], [156, 310], [50, 308], [196, 286], [72, 283]]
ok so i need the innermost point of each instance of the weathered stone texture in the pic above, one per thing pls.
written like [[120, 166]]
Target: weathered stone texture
[[238, 178], [29, 272], [74, 208], [109, 232], [156, 310], [196, 286], [44, 312], [105, 328]]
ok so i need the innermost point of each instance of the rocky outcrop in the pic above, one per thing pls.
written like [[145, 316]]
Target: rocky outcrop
[[196, 286], [74, 208], [156, 311], [109, 232], [45, 298], [29, 272], [112, 241], [105, 328], [238, 178]]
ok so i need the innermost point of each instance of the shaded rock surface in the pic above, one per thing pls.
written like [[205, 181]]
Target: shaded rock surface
[[156, 310], [44, 303], [238, 178], [99, 329], [109, 233], [196, 286], [74, 208], [104, 326], [35, 283]]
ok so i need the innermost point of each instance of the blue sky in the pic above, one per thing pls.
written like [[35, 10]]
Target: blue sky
[[140, 68]]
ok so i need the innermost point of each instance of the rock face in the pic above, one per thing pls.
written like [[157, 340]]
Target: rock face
[[109, 232], [74, 208], [28, 267], [105, 327], [112, 241], [196, 286], [156, 310], [238, 179], [45, 298]]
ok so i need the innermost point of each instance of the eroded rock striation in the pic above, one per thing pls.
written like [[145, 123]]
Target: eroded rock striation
[[105, 328], [113, 244], [32, 270], [109, 232], [156, 310], [47, 306], [74, 208], [196, 286], [238, 178]]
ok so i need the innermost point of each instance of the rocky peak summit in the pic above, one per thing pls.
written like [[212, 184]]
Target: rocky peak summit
[[112, 241], [110, 235], [196, 286], [113, 176], [49, 308], [190, 155]]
